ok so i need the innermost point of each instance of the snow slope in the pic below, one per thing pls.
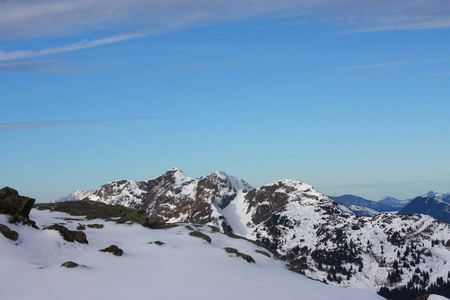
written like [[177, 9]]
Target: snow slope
[[184, 267]]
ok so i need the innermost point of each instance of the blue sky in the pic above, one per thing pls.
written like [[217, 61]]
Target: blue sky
[[349, 96]]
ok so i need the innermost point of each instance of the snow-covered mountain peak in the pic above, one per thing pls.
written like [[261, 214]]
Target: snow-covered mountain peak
[[430, 194], [179, 176], [235, 182], [75, 196]]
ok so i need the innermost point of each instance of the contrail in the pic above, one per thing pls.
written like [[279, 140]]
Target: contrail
[[28, 125]]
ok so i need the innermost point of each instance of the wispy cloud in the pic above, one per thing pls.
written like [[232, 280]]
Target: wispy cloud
[[392, 64], [30, 18], [44, 18], [13, 55], [196, 66], [31, 125], [371, 66], [371, 76], [42, 66], [443, 74]]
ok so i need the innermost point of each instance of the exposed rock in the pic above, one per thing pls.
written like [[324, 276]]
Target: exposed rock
[[69, 235], [8, 233], [14, 205], [173, 197], [113, 249], [69, 264]]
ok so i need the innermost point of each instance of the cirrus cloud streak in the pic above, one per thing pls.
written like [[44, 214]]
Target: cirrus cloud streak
[[40, 124]]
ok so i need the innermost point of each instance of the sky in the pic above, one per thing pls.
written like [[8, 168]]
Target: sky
[[349, 96]]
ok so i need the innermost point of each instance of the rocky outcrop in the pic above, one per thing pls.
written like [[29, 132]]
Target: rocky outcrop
[[69, 235], [16, 206], [11, 203]]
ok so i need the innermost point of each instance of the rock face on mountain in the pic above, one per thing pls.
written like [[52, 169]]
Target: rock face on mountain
[[172, 197], [315, 234], [436, 206], [361, 206]]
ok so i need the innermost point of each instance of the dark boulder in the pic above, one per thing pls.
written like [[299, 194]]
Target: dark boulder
[[14, 205], [69, 235]]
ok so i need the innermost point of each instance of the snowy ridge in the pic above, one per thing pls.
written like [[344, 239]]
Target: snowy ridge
[[75, 196]]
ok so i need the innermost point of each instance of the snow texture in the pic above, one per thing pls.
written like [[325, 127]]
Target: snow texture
[[184, 267]]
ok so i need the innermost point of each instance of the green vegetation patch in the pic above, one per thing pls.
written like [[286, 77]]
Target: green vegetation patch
[[293, 269], [244, 256], [190, 228], [8, 233], [98, 210], [200, 235], [263, 253], [259, 244], [230, 250], [214, 228]]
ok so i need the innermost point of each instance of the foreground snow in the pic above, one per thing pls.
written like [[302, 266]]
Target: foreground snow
[[185, 267]]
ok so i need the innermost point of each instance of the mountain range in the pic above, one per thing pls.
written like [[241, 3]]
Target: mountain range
[[433, 204], [398, 256], [361, 206]]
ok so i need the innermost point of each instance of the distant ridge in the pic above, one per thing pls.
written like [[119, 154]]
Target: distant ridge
[[358, 204]]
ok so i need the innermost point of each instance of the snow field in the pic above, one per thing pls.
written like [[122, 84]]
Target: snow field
[[184, 267]]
